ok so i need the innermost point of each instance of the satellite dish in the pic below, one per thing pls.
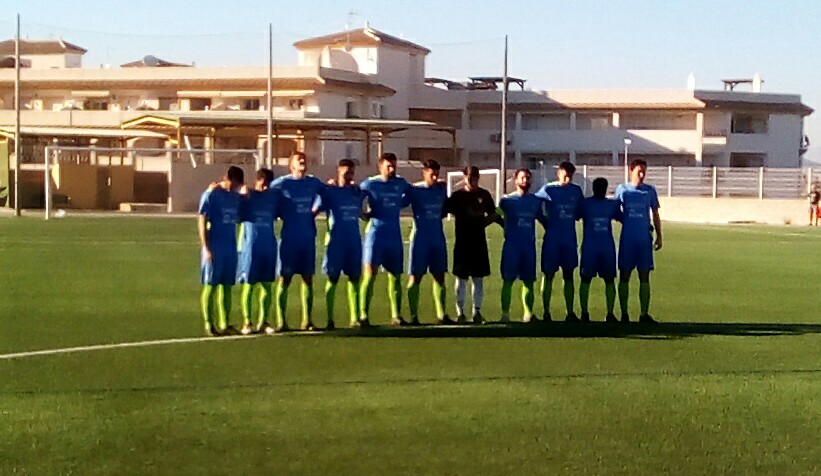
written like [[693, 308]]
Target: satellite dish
[[151, 60]]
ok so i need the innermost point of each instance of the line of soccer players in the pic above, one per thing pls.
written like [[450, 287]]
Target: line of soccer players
[[252, 256]]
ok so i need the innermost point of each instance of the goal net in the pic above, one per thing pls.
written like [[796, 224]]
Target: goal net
[[130, 179]]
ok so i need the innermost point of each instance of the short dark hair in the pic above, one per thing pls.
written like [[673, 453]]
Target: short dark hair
[[235, 174], [600, 187], [471, 171], [637, 163], [265, 174], [346, 163], [431, 164], [523, 169], [568, 167], [387, 156]]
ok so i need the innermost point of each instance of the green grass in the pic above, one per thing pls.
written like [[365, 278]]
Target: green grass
[[729, 383]]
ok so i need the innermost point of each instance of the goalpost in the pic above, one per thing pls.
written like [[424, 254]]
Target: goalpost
[[489, 179]]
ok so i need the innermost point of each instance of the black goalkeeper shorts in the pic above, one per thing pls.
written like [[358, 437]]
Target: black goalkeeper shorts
[[471, 260]]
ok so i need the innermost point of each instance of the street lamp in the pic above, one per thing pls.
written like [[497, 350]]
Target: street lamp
[[627, 142]]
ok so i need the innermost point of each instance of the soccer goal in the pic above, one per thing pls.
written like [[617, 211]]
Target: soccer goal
[[133, 179], [489, 179]]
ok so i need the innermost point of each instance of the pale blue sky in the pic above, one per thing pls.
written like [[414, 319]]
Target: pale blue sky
[[553, 44]]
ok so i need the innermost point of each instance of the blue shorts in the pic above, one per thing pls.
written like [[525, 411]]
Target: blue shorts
[[388, 252], [598, 261], [343, 256], [297, 257], [428, 254], [559, 254], [222, 269], [253, 268], [518, 262], [636, 254]]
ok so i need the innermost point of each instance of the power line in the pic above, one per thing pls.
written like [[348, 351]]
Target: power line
[[155, 35]]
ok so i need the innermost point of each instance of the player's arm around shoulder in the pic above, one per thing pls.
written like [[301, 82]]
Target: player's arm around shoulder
[[654, 208]]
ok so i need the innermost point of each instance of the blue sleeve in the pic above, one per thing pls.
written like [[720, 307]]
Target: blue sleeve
[[542, 193], [407, 197], [654, 200], [541, 213], [321, 202], [618, 214], [245, 211], [205, 204], [619, 193], [579, 203]]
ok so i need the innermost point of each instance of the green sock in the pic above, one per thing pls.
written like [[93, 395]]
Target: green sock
[[439, 299], [610, 296], [413, 298], [584, 295], [307, 295], [330, 299], [644, 297], [265, 299], [365, 295], [224, 308], [569, 294], [547, 292], [207, 305], [507, 293], [245, 303], [282, 303], [394, 294], [528, 297], [353, 301], [624, 294]]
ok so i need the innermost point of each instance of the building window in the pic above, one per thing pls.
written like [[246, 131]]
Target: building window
[[351, 111], [349, 150], [556, 122], [296, 104], [251, 105], [378, 111], [749, 124], [594, 122], [96, 105], [200, 104]]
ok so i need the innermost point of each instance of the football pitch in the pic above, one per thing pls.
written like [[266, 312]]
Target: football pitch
[[729, 382]]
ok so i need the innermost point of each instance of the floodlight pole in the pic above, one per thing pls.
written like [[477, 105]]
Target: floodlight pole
[[269, 161], [503, 134], [17, 119], [627, 143]]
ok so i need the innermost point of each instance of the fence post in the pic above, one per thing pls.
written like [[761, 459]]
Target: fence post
[[761, 183], [715, 181], [584, 174], [669, 180], [47, 191]]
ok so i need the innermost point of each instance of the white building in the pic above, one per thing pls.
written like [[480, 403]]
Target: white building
[[367, 74]]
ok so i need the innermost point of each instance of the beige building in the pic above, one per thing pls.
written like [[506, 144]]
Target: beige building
[[367, 75]]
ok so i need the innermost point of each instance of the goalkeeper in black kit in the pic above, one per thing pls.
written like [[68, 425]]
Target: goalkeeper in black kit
[[473, 209]]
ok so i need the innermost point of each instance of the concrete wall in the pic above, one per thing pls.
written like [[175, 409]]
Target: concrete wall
[[121, 185], [78, 182], [730, 210]]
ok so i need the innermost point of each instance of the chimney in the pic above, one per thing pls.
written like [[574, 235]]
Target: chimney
[[691, 82], [757, 83]]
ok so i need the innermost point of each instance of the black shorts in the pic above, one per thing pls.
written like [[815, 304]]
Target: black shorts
[[470, 260]]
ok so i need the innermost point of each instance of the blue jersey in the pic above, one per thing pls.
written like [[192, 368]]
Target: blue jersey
[[562, 204], [297, 200], [343, 205], [521, 213], [598, 215], [637, 203], [222, 209], [385, 199], [258, 223], [427, 204]]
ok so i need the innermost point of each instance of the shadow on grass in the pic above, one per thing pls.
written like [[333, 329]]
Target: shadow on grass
[[661, 331]]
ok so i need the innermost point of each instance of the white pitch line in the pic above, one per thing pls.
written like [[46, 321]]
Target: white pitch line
[[145, 343]]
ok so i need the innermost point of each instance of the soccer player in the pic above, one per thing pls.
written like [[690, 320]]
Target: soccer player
[[639, 203], [219, 213], [815, 199], [428, 249], [473, 209], [383, 244], [299, 193], [559, 246], [258, 252], [598, 247], [342, 202], [521, 210]]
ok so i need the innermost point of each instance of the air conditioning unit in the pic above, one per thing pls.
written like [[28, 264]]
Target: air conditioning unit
[[37, 104], [496, 138]]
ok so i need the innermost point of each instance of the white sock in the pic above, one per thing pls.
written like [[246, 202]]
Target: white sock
[[461, 288], [478, 294]]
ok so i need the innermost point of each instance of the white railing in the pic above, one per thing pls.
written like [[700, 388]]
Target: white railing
[[715, 182]]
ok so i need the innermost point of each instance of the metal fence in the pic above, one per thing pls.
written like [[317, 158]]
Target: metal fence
[[715, 182]]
